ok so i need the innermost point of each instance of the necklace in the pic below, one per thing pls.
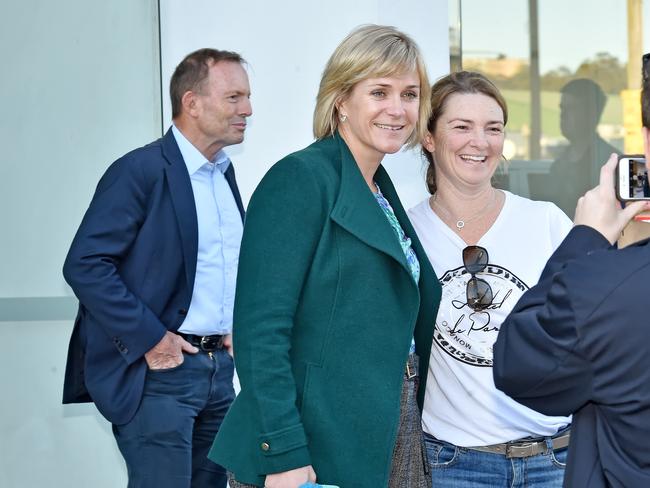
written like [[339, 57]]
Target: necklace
[[460, 223]]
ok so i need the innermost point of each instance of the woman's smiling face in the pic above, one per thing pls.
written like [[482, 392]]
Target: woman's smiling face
[[380, 115], [468, 139]]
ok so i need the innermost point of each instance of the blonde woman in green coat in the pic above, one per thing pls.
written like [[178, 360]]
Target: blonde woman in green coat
[[334, 290]]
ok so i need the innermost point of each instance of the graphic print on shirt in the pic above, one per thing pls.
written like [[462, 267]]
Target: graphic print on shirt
[[466, 334]]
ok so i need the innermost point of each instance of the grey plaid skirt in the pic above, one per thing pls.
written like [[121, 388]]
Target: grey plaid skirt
[[409, 468]]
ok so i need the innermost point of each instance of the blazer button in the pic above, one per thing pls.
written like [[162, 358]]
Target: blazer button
[[182, 311], [265, 446]]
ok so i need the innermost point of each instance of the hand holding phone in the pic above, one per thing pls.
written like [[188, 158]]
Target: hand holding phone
[[599, 209]]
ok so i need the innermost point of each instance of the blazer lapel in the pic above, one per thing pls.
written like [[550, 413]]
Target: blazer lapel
[[230, 178], [429, 286], [357, 211], [180, 189], [427, 274]]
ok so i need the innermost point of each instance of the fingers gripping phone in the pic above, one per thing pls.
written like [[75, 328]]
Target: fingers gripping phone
[[632, 179]]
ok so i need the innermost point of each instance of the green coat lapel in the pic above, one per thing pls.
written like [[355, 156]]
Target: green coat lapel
[[428, 284], [427, 275], [357, 211]]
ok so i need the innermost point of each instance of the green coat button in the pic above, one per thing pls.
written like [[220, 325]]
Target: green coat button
[[265, 446]]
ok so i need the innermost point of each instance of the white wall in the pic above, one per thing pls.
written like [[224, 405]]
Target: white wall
[[43, 443], [287, 44]]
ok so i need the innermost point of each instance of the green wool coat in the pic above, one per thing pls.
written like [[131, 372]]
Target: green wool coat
[[325, 310]]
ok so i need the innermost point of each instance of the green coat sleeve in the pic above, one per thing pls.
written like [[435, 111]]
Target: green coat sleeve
[[284, 221]]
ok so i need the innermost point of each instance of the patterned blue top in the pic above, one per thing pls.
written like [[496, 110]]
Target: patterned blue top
[[405, 242]]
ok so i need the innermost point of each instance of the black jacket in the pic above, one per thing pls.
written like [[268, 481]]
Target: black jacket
[[578, 343]]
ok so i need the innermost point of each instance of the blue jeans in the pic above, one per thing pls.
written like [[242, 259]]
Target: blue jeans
[[459, 467], [167, 442]]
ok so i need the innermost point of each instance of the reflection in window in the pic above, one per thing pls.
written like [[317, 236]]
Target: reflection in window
[[576, 162], [564, 94]]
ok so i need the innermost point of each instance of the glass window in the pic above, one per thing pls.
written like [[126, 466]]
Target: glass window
[[573, 97], [83, 87]]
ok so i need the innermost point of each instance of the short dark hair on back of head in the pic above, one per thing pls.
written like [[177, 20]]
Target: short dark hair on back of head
[[192, 72], [589, 93], [645, 92]]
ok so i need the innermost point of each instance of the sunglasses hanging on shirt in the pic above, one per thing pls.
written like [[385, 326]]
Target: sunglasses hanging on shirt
[[479, 293]]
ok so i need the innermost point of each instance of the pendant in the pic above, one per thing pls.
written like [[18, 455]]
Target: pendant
[[460, 224]]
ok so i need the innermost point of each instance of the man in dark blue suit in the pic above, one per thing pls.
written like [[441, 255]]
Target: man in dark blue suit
[[578, 342], [154, 265]]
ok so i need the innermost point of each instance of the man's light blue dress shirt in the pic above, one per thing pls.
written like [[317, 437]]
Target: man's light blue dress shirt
[[220, 232]]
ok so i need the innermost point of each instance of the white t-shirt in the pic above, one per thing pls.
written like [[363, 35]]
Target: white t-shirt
[[462, 406]]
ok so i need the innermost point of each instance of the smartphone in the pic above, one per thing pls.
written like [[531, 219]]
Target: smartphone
[[632, 179], [316, 485]]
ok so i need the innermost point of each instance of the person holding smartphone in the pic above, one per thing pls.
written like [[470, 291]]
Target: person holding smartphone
[[577, 343], [335, 296]]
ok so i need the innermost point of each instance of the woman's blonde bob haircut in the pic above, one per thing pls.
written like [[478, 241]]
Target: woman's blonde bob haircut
[[369, 51]]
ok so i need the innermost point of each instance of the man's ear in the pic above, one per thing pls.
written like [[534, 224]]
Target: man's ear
[[189, 102], [645, 134], [428, 143]]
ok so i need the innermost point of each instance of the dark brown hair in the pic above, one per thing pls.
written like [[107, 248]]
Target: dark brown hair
[[590, 95], [192, 72], [445, 87]]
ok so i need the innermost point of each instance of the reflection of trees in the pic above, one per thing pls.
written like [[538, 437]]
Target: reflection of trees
[[606, 70], [555, 79], [603, 68]]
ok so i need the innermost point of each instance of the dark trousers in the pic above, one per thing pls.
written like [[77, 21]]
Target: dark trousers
[[167, 442]]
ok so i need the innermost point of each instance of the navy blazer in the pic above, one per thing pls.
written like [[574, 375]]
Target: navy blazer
[[577, 343], [132, 265]]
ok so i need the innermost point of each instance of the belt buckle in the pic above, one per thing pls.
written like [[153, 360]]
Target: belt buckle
[[521, 450], [410, 373], [210, 344]]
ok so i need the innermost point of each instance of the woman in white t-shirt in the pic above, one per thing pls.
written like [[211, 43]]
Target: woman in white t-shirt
[[487, 247]]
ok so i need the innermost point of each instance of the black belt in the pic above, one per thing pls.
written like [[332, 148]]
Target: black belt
[[208, 343]]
